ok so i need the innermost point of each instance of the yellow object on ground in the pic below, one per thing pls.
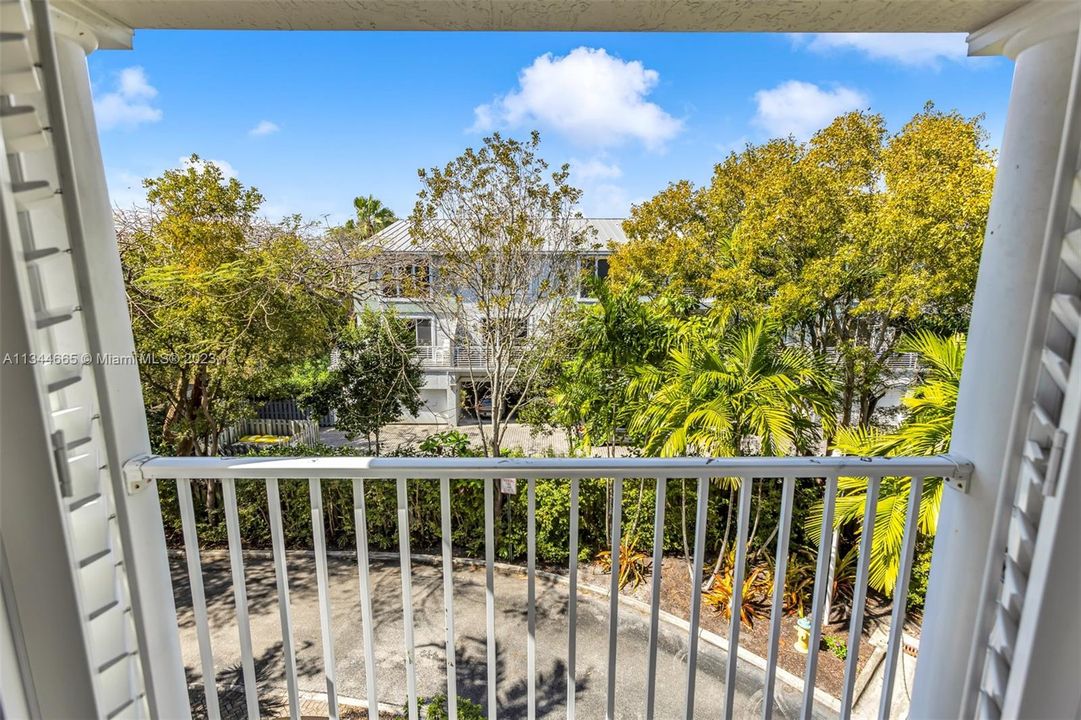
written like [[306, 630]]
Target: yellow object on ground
[[264, 439]]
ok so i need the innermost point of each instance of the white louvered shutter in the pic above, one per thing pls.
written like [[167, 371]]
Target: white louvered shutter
[[1045, 464], [46, 276]]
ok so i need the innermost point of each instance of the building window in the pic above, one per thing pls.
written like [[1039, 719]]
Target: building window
[[405, 281], [592, 268], [502, 329], [424, 331]]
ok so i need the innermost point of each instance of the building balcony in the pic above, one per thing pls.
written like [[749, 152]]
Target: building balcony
[[526, 641], [434, 355], [457, 356]]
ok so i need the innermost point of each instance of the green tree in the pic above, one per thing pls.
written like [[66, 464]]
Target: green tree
[[672, 242], [225, 303], [374, 378], [849, 241], [371, 217], [611, 339], [926, 430], [727, 390], [504, 233]]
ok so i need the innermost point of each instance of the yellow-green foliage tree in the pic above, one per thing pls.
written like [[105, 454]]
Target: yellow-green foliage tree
[[848, 240], [222, 303]]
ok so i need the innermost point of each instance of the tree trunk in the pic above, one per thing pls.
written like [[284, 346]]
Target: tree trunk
[[632, 533], [847, 396], [683, 524], [496, 440], [724, 540]]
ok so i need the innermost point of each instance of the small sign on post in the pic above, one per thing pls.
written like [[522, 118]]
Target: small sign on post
[[508, 486]]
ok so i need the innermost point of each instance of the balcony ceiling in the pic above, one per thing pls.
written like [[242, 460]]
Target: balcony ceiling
[[620, 15]]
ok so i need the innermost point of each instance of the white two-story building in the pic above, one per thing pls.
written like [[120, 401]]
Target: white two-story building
[[452, 353]]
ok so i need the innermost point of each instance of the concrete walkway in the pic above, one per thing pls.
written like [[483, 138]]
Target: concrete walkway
[[469, 606]]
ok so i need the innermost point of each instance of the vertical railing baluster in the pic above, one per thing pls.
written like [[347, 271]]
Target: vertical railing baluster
[[696, 594], [788, 490], [825, 550], [198, 596], [613, 594], [281, 580], [489, 595], [531, 589], [655, 595], [240, 597], [900, 597], [322, 577], [407, 598], [360, 519], [572, 604], [448, 597], [743, 520], [859, 599]]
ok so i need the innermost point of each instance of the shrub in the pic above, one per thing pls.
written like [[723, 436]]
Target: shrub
[[836, 645], [450, 443], [921, 573], [435, 708]]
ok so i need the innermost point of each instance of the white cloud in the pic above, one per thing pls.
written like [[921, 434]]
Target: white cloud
[[594, 169], [606, 200], [265, 127], [916, 49], [601, 195], [132, 83], [129, 105], [800, 108], [226, 169], [589, 96]]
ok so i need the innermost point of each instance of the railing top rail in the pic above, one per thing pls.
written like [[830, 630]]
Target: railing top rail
[[164, 468]]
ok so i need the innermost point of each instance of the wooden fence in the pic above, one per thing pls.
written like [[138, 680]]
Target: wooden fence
[[299, 432], [290, 409]]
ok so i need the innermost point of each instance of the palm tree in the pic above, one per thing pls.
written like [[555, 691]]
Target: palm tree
[[925, 431], [372, 216], [616, 335], [729, 390]]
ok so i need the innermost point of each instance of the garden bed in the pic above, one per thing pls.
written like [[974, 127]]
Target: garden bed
[[676, 599]]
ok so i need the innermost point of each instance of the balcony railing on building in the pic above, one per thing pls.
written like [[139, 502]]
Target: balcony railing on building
[[459, 356], [412, 475]]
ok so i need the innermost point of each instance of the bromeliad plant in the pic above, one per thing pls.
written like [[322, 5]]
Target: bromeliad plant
[[633, 565], [755, 597]]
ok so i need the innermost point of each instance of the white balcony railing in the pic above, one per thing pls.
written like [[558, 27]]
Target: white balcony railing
[[434, 355], [903, 364], [822, 472], [459, 356]]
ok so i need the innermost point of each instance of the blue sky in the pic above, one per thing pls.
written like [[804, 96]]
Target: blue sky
[[313, 119]]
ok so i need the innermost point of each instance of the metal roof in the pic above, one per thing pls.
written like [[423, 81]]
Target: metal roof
[[397, 238]]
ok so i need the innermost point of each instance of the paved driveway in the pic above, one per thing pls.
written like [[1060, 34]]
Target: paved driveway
[[470, 646]]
